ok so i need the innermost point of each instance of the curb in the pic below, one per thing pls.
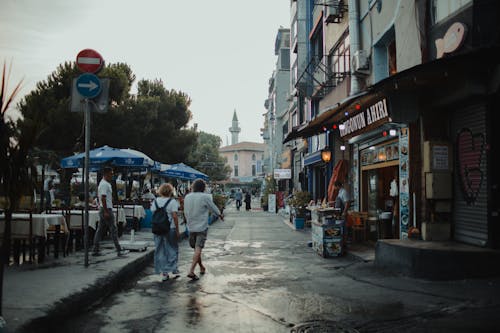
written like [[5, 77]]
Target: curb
[[74, 303]]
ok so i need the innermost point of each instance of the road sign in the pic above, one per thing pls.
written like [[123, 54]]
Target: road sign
[[99, 104], [88, 85], [89, 61]]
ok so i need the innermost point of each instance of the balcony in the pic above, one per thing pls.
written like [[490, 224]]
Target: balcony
[[319, 77]]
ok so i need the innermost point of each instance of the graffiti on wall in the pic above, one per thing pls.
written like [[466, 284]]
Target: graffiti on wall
[[470, 149]]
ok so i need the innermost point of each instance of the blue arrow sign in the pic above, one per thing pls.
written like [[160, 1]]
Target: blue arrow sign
[[88, 85]]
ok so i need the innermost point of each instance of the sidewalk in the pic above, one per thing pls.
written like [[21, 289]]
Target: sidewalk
[[35, 294]]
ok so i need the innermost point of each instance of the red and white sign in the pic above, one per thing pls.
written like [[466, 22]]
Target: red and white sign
[[89, 61]]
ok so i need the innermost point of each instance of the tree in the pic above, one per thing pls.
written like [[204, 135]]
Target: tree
[[205, 157], [16, 140]]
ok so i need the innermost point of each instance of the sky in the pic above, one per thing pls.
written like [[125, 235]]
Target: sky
[[219, 52]]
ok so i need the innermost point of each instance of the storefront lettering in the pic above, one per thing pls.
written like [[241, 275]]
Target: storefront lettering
[[372, 114]]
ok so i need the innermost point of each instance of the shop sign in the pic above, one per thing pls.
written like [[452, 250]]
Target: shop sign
[[371, 115], [282, 173], [452, 40]]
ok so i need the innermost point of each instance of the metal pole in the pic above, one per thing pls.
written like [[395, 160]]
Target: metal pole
[[86, 182]]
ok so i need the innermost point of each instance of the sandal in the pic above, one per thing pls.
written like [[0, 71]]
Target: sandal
[[202, 271], [193, 277]]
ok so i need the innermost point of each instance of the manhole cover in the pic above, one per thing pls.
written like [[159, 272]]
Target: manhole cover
[[322, 326]]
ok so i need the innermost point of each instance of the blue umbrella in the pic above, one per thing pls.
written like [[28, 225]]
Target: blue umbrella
[[183, 171], [103, 155]]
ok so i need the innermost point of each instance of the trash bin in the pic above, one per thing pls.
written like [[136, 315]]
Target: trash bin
[[385, 223]]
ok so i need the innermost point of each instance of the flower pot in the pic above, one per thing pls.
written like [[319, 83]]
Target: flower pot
[[299, 222]]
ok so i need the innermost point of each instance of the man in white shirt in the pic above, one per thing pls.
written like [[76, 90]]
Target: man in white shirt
[[106, 216], [197, 204]]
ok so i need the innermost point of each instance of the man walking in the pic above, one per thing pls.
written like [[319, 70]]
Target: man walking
[[197, 204], [106, 216], [238, 197]]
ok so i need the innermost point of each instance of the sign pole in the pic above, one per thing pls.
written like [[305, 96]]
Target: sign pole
[[86, 184]]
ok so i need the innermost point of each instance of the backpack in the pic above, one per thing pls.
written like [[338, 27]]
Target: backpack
[[160, 224]]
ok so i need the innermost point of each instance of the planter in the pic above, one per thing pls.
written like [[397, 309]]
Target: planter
[[298, 222]]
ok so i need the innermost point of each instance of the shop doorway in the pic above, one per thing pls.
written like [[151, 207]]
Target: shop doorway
[[376, 199]]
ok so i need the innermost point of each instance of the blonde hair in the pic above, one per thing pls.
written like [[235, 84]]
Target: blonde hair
[[166, 190]]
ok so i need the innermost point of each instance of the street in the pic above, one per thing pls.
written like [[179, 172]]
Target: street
[[262, 277]]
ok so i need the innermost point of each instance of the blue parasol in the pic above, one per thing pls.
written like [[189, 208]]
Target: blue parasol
[[104, 155], [183, 171]]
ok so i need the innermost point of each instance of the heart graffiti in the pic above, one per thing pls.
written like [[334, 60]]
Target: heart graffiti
[[470, 148]]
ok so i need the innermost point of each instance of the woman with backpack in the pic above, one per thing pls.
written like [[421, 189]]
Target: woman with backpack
[[166, 245]]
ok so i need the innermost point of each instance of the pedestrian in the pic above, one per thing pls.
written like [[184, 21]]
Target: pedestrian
[[248, 200], [48, 185], [167, 246], [238, 197], [197, 204], [342, 201], [106, 216]]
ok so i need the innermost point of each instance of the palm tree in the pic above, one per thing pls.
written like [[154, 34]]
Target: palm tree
[[16, 138]]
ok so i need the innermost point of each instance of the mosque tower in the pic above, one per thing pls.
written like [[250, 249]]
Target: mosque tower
[[235, 130]]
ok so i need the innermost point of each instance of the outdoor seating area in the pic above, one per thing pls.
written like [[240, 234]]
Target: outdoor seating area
[[54, 225]]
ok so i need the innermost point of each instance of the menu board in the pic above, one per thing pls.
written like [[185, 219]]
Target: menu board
[[383, 153]]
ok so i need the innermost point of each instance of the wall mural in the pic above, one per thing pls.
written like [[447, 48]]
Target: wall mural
[[470, 148]]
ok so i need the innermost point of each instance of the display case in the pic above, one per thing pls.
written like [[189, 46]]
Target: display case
[[328, 232]]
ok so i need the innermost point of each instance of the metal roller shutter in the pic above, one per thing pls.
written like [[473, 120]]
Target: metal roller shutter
[[470, 211]]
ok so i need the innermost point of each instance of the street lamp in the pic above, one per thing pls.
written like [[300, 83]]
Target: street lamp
[[326, 154]]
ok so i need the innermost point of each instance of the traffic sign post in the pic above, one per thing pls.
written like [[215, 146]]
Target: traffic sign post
[[89, 61], [88, 86]]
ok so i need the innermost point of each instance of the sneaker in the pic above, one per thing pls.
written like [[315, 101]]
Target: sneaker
[[123, 253], [164, 276], [176, 272], [96, 254]]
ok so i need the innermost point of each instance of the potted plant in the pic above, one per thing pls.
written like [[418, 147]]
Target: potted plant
[[298, 203]]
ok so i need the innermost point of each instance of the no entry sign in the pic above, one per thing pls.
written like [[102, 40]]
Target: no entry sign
[[89, 61]]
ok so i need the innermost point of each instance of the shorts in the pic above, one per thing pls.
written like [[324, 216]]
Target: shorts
[[197, 239]]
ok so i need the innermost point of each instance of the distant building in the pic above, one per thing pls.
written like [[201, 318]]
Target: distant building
[[244, 158]]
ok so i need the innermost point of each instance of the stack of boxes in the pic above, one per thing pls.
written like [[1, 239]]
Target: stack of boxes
[[328, 233]]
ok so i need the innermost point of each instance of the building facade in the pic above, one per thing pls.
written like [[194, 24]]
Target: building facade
[[276, 122], [416, 119]]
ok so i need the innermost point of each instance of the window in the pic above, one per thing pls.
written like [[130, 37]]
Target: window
[[391, 58], [441, 9], [339, 59], [235, 157], [236, 171], [253, 157], [254, 170]]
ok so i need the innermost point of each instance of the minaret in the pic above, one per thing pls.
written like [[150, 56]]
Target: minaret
[[235, 130]]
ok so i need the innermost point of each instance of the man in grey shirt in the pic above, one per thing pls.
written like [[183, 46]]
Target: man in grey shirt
[[197, 204]]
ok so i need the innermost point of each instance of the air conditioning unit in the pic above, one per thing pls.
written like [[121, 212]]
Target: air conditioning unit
[[333, 12], [360, 63]]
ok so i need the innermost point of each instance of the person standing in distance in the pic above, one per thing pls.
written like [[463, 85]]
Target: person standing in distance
[[106, 216], [197, 204], [238, 197], [342, 201], [167, 246]]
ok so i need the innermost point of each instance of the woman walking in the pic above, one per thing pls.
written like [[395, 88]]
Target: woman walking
[[166, 246]]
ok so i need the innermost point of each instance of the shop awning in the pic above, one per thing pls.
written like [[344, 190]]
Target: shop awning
[[440, 77]]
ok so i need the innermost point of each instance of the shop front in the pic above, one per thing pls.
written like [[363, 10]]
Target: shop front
[[380, 167]]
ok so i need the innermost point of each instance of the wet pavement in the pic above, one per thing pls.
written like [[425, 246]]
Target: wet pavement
[[262, 277]]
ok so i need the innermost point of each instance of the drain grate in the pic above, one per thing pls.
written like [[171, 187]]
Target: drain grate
[[322, 326]]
